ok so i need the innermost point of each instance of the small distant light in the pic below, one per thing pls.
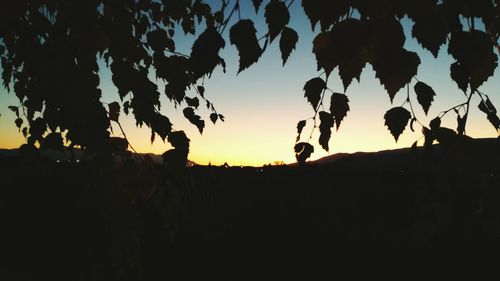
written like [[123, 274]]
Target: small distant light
[[77, 160], [58, 161]]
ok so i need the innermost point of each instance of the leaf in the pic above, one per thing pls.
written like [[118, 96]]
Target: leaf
[[256, 4], [430, 31], [288, 41], [14, 109], [194, 119], [161, 125], [396, 69], [326, 12], [425, 95], [339, 106], [25, 131], [461, 124], [494, 120], [19, 123], [157, 39], [313, 90], [352, 69], [474, 51], [411, 123], [126, 106], [243, 36], [193, 102], [303, 150], [277, 17], [491, 112], [214, 117], [346, 45], [114, 111], [460, 75], [396, 120], [300, 127], [325, 128], [205, 52], [201, 91], [221, 117]]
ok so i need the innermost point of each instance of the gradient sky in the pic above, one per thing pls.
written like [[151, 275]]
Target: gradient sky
[[263, 104]]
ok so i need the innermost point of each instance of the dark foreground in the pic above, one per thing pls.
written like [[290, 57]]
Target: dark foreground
[[76, 221]]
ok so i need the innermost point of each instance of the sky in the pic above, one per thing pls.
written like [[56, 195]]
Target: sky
[[263, 104]]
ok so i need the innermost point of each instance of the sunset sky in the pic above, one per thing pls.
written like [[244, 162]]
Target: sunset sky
[[263, 104]]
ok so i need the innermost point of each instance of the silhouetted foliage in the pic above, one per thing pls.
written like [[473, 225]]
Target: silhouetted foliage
[[48, 47], [52, 51]]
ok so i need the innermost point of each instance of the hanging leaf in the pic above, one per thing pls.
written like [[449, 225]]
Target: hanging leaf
[[193, 102], [396, 120], [277, 17], [300, 127], [25, 131], [243, 36], [346, 45], [313, 90], [325, 128], [474, 51], [205, 52], [430, 32], [194, 119], [14, 109], [425, 95], [153, 136], [494, 120], [339, 106], [460, 75], [126, 106], [303, 150], [288, 41], [214, 117], [161, 125], [396, 69], [256, 4], [114, 111], [19, 123], [157, 39], [221, 117], [352, 69], [201, 91], [491, 112], [326, 12]]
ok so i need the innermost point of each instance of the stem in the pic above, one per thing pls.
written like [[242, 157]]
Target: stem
[[467, 111], [409, 102], [224, 24]]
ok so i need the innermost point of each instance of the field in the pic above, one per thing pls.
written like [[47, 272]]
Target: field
[[131, 221]]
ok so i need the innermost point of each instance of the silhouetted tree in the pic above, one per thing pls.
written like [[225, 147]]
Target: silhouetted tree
[[50, 51]]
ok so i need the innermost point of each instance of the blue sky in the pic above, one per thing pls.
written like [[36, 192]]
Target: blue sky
[[263, 104]]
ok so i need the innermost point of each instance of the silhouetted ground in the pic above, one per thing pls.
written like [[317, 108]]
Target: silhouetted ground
[[234, 222]]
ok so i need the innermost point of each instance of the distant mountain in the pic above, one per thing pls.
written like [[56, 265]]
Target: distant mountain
[[79, 155], [484, 152]]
